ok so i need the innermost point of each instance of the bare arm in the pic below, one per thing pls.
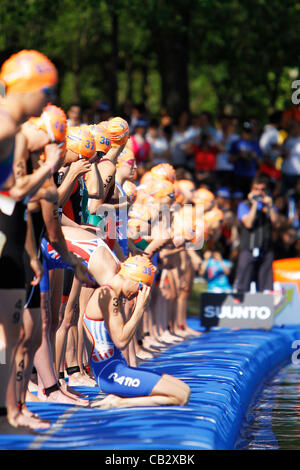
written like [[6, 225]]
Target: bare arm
[[76, 169], [30, 247], [27, 185], [121, 333]]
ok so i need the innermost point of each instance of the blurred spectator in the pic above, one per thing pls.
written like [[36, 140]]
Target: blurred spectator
[[291, 153], [223, 199], [180, 138], [284, 247], [102, 111], [206, 126], [293, 197], [204, 156], [257, 217], [74, 115], [159, 144], [227, 135], [216, 270], [138, 114], [245, 155], [140, 145], [165, 118], [269, 143]]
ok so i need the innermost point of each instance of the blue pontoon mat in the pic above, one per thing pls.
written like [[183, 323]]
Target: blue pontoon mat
[[223, 368]]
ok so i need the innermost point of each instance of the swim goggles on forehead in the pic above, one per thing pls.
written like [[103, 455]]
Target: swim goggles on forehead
[[140, 285]]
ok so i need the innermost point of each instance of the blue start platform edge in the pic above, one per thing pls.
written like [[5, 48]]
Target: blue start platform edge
[[224, 368]]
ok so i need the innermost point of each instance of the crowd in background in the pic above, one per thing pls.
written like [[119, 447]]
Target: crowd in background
[[224, 155]]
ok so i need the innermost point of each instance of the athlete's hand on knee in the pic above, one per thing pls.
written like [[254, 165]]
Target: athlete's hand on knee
[[38, 270]]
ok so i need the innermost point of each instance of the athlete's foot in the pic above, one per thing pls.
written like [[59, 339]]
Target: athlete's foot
[[192, 332], [71, 391], [79, 379], [60, 397], [170, 338], [182, 334], [151, 343], [111, 401], [144, 355], [30, 422], [32, 386]]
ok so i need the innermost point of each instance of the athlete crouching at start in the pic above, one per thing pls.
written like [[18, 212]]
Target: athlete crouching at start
[[108, 334]]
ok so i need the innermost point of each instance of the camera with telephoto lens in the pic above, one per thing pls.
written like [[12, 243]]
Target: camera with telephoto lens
[[258, 198]]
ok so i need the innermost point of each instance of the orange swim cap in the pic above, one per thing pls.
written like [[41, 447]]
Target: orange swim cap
[[162, 188], [138, 268], [140, 212], [81, 141], [130, 190], [101, 136], [179, 194], [164, 171], [53, 121], [213, 217], [118, 131], [203, 195], [26, 71]]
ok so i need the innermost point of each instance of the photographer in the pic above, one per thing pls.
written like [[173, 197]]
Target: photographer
[[257, 217]]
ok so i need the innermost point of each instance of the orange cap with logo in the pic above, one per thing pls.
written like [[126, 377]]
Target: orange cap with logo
[[203, 195], [162, 188], [187, 187], [118, 131], [81, 141], [138, 268], [28, 70], [53, 121], [213, 217], [101, 136], [130, 190], [164, 171]]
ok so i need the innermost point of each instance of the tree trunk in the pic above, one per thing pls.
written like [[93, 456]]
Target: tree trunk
[[113, 79]]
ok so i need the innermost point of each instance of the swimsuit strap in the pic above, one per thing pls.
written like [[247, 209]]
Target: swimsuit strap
[[106, 285]]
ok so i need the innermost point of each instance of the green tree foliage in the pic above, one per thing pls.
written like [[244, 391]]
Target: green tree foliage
[[186, 54]]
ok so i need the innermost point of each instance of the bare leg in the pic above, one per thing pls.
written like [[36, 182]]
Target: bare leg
[[56, 282], [62, 332], [44, 364], [168, 391], [11, 309]]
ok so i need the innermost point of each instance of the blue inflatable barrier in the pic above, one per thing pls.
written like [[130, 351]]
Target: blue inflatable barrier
[[224, 369]]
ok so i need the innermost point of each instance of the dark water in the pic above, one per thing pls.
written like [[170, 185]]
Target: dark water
[[273, 421]]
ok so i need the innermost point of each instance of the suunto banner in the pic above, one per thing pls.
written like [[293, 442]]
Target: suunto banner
[[237, 311]]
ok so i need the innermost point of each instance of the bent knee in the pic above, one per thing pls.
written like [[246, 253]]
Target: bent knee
[[184, 396]]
